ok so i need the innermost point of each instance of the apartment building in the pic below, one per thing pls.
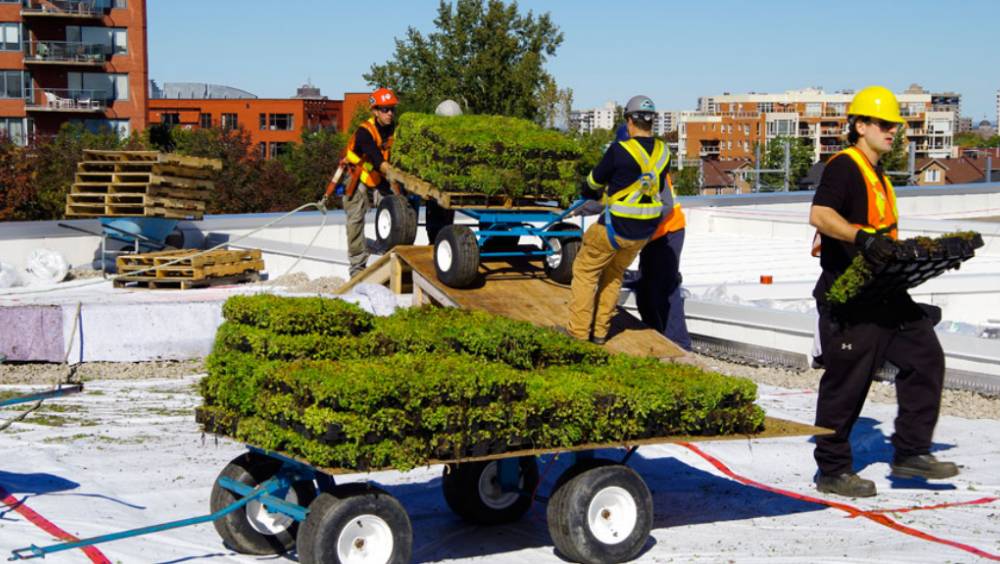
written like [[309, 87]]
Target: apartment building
[[728, 126], [72, 60], [274, 124], [586, 121]]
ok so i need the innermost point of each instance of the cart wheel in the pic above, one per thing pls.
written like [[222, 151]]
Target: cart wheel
[[456, 256], [559, 265], [355, 523], [395, 222], [253, 529], [601, 515], [472, 491]]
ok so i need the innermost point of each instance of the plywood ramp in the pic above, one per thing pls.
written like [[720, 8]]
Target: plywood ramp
[[518, 290]]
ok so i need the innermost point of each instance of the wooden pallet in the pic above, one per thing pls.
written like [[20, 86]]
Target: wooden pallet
[[186, 257], [185, 284], [171, 186], [458, 200], [187, 268]]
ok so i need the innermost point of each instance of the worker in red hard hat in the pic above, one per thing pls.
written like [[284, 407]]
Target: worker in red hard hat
[[367, 160]]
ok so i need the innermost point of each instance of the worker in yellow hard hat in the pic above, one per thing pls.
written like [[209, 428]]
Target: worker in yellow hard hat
[[854, 211]]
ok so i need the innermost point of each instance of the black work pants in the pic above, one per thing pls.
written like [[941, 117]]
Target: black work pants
[[658, 292], [852, 353]]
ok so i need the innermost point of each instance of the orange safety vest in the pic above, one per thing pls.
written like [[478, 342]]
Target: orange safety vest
[[360, 168], [673, 221], [883, 215]]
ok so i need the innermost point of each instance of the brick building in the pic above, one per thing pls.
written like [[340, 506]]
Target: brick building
[[72, 60], [727, 127]]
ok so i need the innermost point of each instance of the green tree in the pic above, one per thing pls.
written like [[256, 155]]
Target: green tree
[[17, 187], [484, 54], [236, 184], [686, 181], [898, 158], [774, 158], [312, 162], [554, 104]]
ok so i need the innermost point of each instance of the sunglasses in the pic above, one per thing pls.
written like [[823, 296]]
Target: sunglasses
[[386, 110], [884, 125]]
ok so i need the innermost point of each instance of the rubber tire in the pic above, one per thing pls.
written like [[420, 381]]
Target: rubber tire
[[563, 272], [460, 485], [331, 512], [235, 529], [464, 268], [402, 222], [567, 515]]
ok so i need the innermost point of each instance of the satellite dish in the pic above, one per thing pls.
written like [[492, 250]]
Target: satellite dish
[[448, 108]]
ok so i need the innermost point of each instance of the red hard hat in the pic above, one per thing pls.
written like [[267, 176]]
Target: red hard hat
[[382, 97]]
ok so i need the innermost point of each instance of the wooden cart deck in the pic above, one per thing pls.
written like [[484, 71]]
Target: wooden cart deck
[[774, 428], [459, 200]]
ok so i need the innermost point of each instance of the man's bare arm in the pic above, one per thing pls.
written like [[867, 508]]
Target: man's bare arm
[[832, 224]]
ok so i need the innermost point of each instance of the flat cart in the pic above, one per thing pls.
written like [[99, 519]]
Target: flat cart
[[501, 221], [599, 510]]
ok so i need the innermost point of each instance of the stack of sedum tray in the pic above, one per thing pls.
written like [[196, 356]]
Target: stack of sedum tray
[[141, 184]]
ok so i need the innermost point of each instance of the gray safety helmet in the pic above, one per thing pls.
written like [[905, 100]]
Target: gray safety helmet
[[448, 108], [640, 105]]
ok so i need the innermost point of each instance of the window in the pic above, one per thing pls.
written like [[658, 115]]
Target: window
[[229, 121], [98, 85], [170, 118], [103, 40], [118, 126], [205, 121], [278, 149], [281, 122], [10, 37], [932, 175], [16, 129], [262, 150], [109, 4], [765, 107], [263, 122], [814, 109], [15, 84]]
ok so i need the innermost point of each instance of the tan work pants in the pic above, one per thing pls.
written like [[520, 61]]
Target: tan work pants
[[597, 280], [356, 206]]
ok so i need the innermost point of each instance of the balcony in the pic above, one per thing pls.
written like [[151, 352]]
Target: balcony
[[710, 150], [74, 9], [831, 132], [915, 132], [62, 100], [71, 53], [829, 149]]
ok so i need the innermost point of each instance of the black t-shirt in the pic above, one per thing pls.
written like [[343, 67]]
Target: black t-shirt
[[842, 187], [365, 146], [618, 170]]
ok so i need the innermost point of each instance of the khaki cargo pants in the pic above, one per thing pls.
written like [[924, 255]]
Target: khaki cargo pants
[[356, 206], [597, 280]]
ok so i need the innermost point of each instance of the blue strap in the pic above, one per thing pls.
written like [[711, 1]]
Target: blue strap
[[610, 229]]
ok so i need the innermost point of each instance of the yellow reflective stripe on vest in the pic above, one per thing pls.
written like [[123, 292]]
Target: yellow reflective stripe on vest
[[593, 183], [872, 177], [627, 201]]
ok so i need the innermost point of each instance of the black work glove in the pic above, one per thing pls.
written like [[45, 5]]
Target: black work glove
[[877, 249]]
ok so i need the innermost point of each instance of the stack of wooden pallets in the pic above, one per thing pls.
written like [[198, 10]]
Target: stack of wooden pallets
[[188, 270], [141, 184]]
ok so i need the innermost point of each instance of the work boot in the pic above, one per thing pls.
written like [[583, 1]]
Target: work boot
[[847, 484], [923, 466], [598, 340]]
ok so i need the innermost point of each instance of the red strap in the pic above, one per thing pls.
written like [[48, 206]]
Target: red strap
[[875, 516], [92, 552]]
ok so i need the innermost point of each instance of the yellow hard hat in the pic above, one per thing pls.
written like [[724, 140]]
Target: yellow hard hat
[[876, 102]]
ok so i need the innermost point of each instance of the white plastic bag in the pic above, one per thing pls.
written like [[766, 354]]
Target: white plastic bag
[[380, 300], [8, 276], [47, 266]]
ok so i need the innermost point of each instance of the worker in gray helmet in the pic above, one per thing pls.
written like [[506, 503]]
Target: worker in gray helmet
[[631, 182]]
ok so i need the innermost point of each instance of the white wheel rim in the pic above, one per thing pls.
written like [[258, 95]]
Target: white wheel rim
[[384, 223], [490, 490], [612, 515], [367, 538], [555, 258], [270, 523], [444, 256]]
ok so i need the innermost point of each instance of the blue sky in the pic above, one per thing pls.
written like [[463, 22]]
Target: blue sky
[[672, 51]]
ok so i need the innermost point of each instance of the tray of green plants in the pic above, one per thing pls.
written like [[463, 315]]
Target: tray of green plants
[[489, 155], [914, 262], [324, 381]]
